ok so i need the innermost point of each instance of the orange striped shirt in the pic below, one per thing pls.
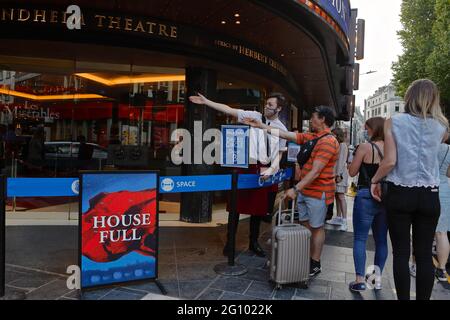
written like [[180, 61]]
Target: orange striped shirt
[[327, 152]]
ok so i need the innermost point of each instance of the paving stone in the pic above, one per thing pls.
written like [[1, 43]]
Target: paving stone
[[51, 291], [95, 294], [167, 271], [211, 294], [236, 285], [258, 289], [123, 294], [285, 293], [200, 254], [314, 293], [251, 261], [191, 289], [166, 256], [14, 294], [256, 274], [172, 288], [148, 287], [236, 296], [32, 282], [196, 271], [330, 275]]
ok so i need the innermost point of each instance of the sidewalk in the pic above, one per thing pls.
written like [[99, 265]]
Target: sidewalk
[[37, 258]]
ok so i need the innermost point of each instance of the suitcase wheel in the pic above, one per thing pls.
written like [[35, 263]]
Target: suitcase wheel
[[303, 285]]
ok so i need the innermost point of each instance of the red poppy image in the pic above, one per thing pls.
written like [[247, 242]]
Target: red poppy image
[[118, 223]]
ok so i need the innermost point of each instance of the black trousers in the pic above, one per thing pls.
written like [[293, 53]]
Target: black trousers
[[419, 208]]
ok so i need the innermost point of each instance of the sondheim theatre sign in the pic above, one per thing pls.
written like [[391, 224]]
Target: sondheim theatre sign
[[92, 22]]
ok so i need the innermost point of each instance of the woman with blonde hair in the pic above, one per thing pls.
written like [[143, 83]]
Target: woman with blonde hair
[[412, 142]]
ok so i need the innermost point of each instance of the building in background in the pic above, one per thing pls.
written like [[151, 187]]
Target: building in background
[[358, 127], [383, 103]]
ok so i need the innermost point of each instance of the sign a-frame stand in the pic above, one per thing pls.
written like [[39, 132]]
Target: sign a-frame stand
[[235, 154], [131, 181]]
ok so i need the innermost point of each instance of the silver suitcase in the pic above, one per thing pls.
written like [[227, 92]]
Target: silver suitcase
[[290, 256]]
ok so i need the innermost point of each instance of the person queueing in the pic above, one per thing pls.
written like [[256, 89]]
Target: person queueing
[[317, 186], [443, 227], [367, 212], [341, 182], [264, 151], [412, 142]]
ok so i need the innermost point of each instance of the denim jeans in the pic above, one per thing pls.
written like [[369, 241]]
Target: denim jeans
[[368, 213]]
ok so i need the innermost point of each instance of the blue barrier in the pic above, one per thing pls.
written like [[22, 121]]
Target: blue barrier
[[177, 184], [42, 187], [63, 187]]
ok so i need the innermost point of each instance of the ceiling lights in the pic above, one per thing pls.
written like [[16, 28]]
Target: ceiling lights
[[77, 96], [130, 80]]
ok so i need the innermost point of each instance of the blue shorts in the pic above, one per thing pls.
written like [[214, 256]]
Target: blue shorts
[[312, 210]]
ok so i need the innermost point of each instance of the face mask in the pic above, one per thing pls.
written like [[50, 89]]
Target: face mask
[[366, 135], [268, 112]]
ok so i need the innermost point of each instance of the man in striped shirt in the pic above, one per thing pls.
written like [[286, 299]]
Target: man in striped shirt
[[317, 185]]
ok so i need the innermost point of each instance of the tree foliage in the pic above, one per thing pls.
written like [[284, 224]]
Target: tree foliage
[[425, 38]]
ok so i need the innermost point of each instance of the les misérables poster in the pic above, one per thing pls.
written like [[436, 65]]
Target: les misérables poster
[[118, 227]]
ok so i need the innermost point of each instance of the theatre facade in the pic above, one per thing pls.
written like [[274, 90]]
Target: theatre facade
[[118, 73]]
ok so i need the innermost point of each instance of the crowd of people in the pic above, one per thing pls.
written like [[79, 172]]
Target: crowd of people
[[402, 190]]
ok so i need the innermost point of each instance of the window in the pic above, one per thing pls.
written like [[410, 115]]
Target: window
[[8, 74], [385, 96], [397, 107], [1, 75], [385, 109]]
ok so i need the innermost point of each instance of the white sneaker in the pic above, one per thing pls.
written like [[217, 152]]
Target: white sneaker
[[412, 269], [343, 226], [337, 221]]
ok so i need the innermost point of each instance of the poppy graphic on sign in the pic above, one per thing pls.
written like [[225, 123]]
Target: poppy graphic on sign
[[118, 227]]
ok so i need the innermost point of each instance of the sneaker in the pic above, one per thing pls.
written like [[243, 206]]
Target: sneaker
[[441, 275], [376, 283], [314, 268], [343, 226], [412, 269], [357, 286], [335, 221]]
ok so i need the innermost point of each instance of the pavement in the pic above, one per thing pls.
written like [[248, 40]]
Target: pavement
[[187, 259], [38, 256]]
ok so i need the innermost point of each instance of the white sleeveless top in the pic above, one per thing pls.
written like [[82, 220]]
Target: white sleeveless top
[[418, 141]]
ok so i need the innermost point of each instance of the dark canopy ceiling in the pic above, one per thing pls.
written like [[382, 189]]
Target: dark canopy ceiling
[[309, 49]]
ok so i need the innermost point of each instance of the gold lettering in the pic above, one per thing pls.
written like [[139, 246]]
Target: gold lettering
[[21, 17], [173, 32], [53, 16], [151, 25], [82, 20], [64, 20], [10, 14], [162, 29], [140, 27], [100, 20], [114, 21], [128, 24], [39, 14]]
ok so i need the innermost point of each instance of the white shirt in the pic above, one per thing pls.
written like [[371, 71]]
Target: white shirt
[[258, 141]]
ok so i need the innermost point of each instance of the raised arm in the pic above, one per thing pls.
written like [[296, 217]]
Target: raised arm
[[200, 99], [291, 136]]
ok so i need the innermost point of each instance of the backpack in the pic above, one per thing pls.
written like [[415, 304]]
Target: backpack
[[306, 150]]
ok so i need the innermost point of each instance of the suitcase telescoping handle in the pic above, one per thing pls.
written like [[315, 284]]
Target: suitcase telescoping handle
[[279, 212]]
